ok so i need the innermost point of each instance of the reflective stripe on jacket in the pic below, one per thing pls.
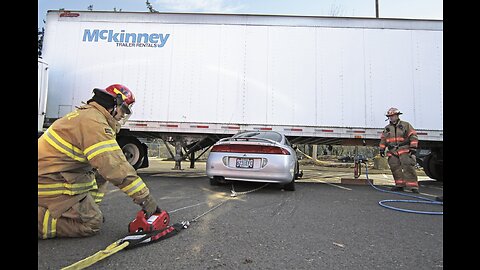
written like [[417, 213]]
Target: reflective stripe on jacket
[[399, 138], [74, 149], [49, 226]]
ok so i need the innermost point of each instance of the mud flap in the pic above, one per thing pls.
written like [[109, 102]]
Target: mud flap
[[145, 162]]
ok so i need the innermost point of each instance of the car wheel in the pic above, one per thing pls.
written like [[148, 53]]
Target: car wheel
[[290, 186], [216, 181]]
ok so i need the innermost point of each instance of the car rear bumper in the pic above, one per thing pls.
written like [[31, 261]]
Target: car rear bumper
[[278, 170]]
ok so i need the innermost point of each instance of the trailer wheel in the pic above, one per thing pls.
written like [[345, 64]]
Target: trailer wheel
[[432, 168], [132, 149]]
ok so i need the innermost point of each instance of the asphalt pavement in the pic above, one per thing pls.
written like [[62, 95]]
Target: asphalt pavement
[[323, 224]]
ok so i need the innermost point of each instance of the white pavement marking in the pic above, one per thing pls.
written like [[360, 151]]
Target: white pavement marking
[[433, 187], [335, 175], [330, 184], [428, 194]]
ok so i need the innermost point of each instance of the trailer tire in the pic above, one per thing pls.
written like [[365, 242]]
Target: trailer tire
[[432, 168], [426, 166], [133, 150]]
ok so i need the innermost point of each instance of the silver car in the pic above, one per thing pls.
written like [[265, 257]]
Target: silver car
[[255, 156]]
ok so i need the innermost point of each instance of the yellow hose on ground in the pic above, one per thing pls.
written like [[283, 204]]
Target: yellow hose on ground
[[102, 254]]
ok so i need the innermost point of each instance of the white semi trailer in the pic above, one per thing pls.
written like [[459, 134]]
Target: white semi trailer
[[201, 77], [42, 93]]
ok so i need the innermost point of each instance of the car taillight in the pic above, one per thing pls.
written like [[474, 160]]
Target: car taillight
[[254, 149], [220, 148]]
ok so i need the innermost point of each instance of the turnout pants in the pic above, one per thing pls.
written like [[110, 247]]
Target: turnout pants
[[82, 219], [403, 170]]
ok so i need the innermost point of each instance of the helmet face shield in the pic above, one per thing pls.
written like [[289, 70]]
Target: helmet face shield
[[124, 119], [123, 100], [126, 112], [127, 109]]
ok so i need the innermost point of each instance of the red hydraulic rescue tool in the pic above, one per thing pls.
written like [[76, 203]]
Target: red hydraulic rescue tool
[[157, 221]]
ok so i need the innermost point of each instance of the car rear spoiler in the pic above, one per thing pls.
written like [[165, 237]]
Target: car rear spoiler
[[249, 139]]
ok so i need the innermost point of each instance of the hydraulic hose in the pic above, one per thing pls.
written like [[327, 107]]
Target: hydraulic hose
[[423, 200]]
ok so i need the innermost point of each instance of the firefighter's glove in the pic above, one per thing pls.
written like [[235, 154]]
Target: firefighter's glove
[[150, 206], [382, 152], [413, 151]]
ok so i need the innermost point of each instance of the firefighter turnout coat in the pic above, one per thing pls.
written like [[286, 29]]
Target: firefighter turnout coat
[[76, 151]]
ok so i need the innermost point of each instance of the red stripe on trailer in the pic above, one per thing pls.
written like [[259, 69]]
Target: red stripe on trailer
[[199, 126], [141, 125], [172, 126], [266, 128], [327, 130], [359, 131], [69, 14], [296, 129], [230, 127]]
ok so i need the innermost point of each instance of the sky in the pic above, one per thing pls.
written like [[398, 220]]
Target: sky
[[409, 9]]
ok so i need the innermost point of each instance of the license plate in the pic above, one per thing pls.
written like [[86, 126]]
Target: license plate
[[244, 163]]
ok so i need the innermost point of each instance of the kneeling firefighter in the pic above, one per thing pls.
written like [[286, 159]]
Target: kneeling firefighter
[[77, 157]]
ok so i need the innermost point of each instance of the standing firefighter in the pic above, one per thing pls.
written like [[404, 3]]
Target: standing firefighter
[[77, 157], [401, 140]]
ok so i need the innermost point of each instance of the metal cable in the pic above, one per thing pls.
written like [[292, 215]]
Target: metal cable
[[232, 195]]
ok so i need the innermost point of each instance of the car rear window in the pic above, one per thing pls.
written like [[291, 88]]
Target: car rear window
[[265, 135]]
